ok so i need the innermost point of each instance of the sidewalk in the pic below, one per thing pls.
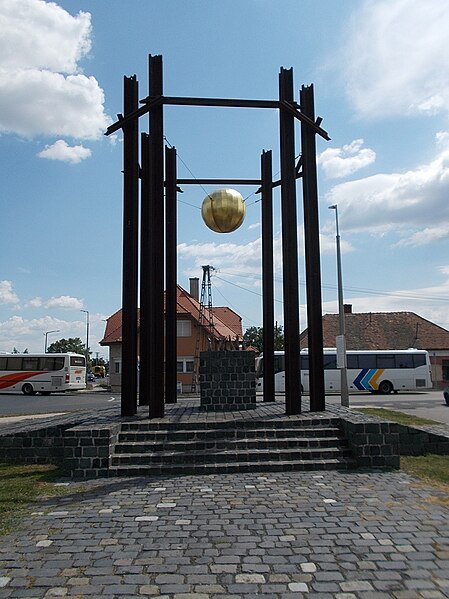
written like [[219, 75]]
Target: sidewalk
[[332, 535]]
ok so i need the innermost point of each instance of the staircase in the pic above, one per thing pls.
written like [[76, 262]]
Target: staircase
[[146, 448]]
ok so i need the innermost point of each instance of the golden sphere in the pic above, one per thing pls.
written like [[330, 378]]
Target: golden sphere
[[223, 210]]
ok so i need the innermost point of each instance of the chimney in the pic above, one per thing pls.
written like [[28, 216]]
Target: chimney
[[347, 308], [195, 287]]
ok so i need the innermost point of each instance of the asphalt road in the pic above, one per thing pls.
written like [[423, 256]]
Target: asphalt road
[[429, 405]]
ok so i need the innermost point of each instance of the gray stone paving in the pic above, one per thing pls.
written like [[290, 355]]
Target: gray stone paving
[[285, 535]]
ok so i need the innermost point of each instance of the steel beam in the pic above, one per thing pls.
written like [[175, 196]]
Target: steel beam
[[146, 235], [289, 247], [170, 277], [155, 312], [130, 250], [267, 276], [312, 255]]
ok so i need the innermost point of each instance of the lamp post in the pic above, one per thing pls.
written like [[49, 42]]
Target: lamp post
[[46, 338], [87, 337], [341, 338]]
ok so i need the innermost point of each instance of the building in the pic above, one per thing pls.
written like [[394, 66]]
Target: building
[[391, 330], [195, 333]]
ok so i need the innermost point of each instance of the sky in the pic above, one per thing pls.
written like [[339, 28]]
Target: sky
[[380, 70]]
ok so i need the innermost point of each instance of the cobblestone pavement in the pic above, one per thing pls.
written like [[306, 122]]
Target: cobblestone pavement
[[332, 535]]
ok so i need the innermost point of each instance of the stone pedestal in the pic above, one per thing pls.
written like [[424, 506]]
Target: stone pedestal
[[227, 380]]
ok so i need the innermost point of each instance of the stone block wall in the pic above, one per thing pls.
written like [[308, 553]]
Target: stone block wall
[[374, 442], [227, 380], [87, 449]]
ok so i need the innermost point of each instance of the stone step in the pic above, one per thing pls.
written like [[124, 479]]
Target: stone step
[[245, 424], [228, 444], [226, 433], [230, 456], [228, 468]]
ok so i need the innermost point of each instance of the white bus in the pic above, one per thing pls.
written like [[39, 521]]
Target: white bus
[[377, 371], [42, 373]]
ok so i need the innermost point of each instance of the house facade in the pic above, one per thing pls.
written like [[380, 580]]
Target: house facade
[[391, 330], [196, 332]]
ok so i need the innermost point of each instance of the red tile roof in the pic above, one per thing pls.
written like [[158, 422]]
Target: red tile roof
[[226, 323], [383, 330]]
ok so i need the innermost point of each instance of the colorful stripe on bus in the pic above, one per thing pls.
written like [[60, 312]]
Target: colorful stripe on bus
[[8, 380], [367, 379]]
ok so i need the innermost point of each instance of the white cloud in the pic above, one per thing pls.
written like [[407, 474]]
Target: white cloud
[[341, 162], [41, 88], [35, 302], [60, 150], [413, 204], [42, 35], [396, 59], [65, 302], [7, 294]]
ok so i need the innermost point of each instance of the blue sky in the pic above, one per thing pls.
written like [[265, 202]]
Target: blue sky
[[381, 75]]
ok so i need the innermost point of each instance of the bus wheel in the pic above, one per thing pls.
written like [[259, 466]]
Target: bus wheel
[[27, 389], [385, 387]]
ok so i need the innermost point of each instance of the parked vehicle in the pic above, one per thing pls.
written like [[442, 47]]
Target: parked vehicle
[[377, 371], [42, 373]]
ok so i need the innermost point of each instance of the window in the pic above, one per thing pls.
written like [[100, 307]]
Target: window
[[30, 363], [404, 361], [386, 361], [352, 361], [304, 362], [48, 363], [184, 365], [14, 364], [77, 361], [117, 367], [445, 365], [183, 328], [367, 361], [330, 361], [419, 360]]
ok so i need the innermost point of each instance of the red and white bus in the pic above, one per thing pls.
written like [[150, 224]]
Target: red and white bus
[[42, 373]]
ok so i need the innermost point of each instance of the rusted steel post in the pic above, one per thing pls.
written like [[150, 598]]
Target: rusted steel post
[[267, 276], [289, 247], [130, 250], [170, 277], [155, 313], [312, 254], [146, 235]]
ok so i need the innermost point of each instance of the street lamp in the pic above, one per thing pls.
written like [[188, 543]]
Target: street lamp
[[87, 336], [340, 339], [46, 337]]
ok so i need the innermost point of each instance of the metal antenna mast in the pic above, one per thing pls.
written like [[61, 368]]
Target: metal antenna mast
[[203, 322]]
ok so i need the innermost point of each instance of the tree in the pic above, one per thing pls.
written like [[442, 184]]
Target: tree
[[73, 344], [254, 336]]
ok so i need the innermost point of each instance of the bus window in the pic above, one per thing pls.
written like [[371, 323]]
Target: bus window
[[14, 364], [352, 361], [330, 361], [419, 360], [304, 362], [77, 361], [386, 361], [279, 364], [404, 361], [30, 363], [367, 361]]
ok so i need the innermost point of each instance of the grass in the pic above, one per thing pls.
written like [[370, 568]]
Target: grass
[[432, 469], [20, 486], [394, 416]]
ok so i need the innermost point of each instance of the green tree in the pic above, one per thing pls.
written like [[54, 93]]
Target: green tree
[[73, 344], [254, 336]]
